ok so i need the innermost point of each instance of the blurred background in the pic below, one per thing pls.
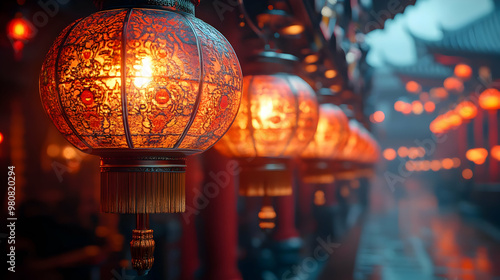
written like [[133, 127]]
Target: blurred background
[[411, 71]]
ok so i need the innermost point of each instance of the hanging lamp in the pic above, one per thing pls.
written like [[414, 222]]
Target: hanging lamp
[[276, 120], [142, 84], [322, 152]]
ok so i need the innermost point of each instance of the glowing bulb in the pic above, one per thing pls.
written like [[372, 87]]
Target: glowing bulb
[[144, 72]]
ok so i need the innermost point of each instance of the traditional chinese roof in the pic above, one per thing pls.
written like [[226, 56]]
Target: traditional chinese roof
[[425, 67], [481, 37]]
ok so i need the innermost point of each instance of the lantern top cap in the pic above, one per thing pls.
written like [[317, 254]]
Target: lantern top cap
[[186, 6]]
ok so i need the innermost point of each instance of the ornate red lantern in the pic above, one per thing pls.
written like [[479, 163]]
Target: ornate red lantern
[[330, 138], [276, 120], [142, 87]]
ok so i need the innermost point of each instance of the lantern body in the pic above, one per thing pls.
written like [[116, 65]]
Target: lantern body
[[330, 138], [276, 120], [490, 99], [467, 110], [142, 88]]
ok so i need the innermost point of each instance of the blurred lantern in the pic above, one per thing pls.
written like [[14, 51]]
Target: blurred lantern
[[495, 152], [377, 117], [19, 31], [331, 136], [1, 138], [454, 120], [490, 99], [477, 155], [447, 163], [413, 87], [439, 93], [402, 152], [466, 110], [463, 71], [467, 174], [429, 106], [417, 107], [389, 154], [399, 105], [142, 87], [453, 84], [276, 120], [319, 198]]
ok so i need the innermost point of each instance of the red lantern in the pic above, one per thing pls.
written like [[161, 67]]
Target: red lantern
[[276, 120], [467, 110], [330, 138], [490, 99], [142, 88], [463, 71]]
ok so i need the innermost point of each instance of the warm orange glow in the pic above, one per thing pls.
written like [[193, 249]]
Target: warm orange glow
[[312, 58], [274, 120], [447, 163], [399, 106], [344, 191], [477, 155], [463, 71], [439, 93], [319, 198], [456, 162], [495, 152], [410, 166], [435, 165], [453, 84], [413, 152], [402, 152], [407, 109], [467, 174], [429, 106], [490, 99], [1, 138], [19, 29], [330, 74], [426, 165], [311, 68], [389, 154], [293, 29], [53, 150], [417, 107], [413, 87], [332, 133], [361, 146], [453, 119], [466, 109], [174, 98], [378, 116]]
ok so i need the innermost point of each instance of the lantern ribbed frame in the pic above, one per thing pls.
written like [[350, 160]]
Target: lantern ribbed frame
[[142, 87], [277, 119]]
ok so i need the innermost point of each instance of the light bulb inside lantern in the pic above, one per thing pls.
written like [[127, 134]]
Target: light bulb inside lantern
[[144, 72]]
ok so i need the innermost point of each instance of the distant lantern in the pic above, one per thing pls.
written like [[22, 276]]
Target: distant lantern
[[331, 136], [429, 106], [276, 120], [463, 71], [378, 116], [413, 87], [467, 174], [490, 99], [466, 109], [477, 155], [389, 154], [495, 152], [439, 93], [417, 107], [453, 84]]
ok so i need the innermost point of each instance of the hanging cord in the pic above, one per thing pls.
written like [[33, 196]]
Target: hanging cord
[[253, 26]]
